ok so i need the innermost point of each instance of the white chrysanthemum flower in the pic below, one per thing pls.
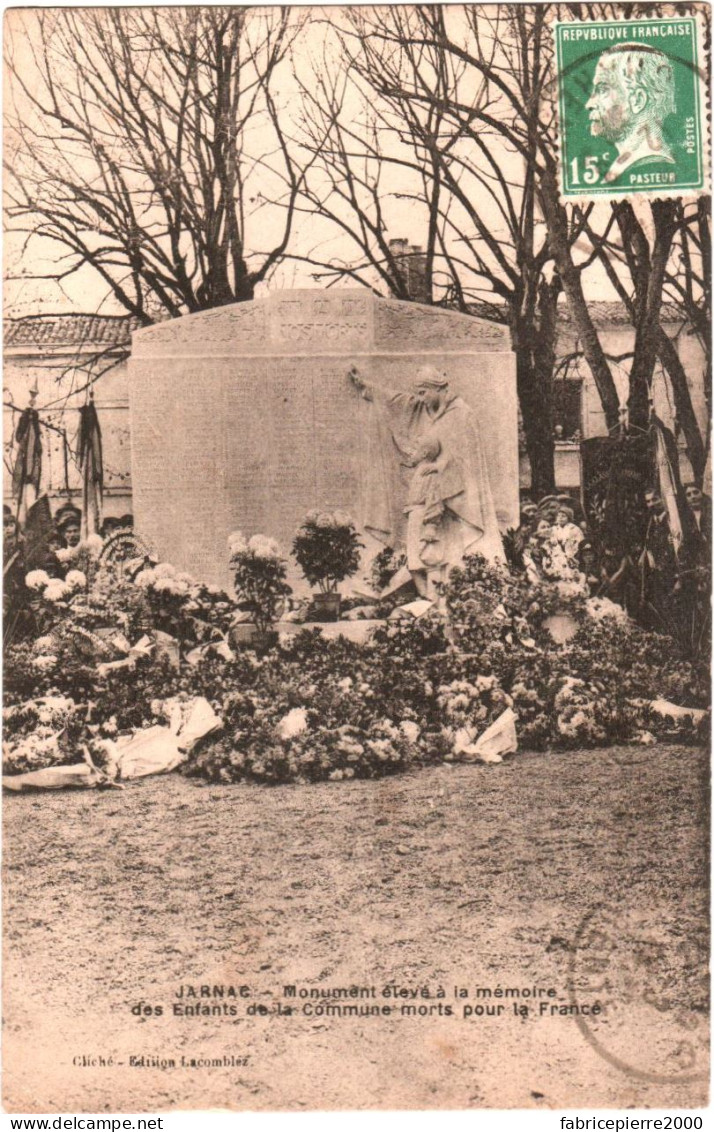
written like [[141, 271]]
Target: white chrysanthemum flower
[[311, 517], [645, 737], [571, 589], [56, 590], [382, 748], [44, 644], [37, 579], [325, 519], [56, 704], [263, 547], [349, 746], [66, 554], [570, 727], [292, 724], [387, 726], [93, 544], [76, 580], [600, 608], [185, 579], [45, 663], [410, 730], [342, 519], [145, 578], [166, 586], [237, 542], [165, 570], [485, 683]]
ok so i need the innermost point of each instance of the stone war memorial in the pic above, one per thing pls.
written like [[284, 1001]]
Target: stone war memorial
[[245, 418]]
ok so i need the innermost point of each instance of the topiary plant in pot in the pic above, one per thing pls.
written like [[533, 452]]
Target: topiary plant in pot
[[326, 548]]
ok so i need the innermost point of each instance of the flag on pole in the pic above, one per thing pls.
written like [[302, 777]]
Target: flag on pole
[[671, 492], [92, 468], [28, 462]]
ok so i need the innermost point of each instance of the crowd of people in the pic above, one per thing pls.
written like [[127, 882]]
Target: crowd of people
[[44, 549], [663, 581], [552, 546]]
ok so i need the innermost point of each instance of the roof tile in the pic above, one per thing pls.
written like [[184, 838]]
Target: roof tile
[[70, 330]]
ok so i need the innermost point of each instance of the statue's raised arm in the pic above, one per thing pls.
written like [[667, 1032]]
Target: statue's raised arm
[[390, 396], [359, 383]]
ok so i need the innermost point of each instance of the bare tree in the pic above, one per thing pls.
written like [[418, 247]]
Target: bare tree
[[503, 106], [688, 288], [424, 133], [138, 145], [642, 262], [663, 262]]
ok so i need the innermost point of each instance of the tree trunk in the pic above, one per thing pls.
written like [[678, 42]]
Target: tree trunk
[[216, 289], [649, 306], [556, 220], [534, 332], [537, 417], [683, 403]]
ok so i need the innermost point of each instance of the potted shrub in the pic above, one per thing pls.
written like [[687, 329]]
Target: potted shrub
[[326, 549], [259, 579]]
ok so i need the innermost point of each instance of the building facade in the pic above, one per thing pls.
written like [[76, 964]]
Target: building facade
[[61, 356]]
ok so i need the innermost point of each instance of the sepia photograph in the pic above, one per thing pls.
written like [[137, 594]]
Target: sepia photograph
[[357, 539]]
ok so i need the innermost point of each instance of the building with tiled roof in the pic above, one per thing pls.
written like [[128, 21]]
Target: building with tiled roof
[[61, 354], [77, 330]]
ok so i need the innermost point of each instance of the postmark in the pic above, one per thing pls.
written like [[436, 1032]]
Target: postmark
[[631, 108], [651, 982]]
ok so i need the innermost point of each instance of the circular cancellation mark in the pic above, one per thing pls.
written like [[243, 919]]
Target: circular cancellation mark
[[653, 987]]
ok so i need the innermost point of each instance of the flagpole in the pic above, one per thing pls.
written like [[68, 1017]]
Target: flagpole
[[91, 464], [24, 482]]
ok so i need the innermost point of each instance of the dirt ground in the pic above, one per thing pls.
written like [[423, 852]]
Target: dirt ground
[[582, 873]]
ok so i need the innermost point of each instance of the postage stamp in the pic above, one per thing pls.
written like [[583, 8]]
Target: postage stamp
[[632, 108]]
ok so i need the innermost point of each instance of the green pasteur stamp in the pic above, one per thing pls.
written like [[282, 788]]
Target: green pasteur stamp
[[632, 108]]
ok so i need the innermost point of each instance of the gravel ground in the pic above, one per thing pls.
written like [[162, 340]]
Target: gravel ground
[[584, 870]]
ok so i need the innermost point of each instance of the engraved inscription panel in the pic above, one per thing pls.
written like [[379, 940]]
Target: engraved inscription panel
[[208, 332], [153, 406], [337, 438], [408, 325], [324, 323], [246, 472], [199, 489], [289, 436]]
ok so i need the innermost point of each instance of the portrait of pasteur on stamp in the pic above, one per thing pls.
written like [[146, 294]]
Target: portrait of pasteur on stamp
[[632, 98], [357, 536]]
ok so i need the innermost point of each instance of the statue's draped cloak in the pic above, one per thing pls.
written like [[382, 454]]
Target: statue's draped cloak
[[393, 422], [396, 423]]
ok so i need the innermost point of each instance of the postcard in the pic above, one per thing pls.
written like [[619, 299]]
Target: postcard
[[357, 558]]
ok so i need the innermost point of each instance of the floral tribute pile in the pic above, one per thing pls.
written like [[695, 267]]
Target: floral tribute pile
[[109, 649]]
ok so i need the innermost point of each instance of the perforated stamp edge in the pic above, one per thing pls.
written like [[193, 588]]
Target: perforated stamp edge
[[687, 194]]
